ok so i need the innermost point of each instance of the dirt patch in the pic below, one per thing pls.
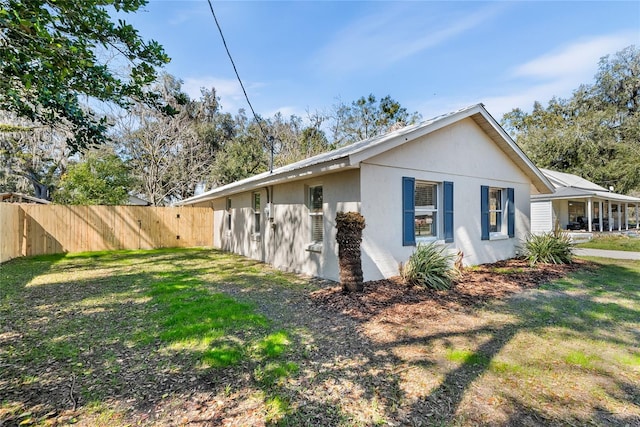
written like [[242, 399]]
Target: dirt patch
[[394, 301]]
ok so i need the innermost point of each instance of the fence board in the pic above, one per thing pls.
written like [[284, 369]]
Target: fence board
[[29, 229], [10, 231]]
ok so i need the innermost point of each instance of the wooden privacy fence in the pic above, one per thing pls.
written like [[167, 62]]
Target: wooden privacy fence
[[27, 229]]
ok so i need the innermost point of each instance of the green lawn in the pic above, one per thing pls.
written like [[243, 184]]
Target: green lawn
[[121, 325], [178, 337], [614, 242]]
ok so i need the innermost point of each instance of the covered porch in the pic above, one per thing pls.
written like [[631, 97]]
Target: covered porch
[[596, 211], [574, 209]]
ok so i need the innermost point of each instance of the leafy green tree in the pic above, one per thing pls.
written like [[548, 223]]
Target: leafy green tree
[[595, 133], [294, 139], [367, 117], [100, 178], [54, 52], [245, 155]]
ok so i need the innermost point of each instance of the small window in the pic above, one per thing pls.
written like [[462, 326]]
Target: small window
[[426, 211], [256, 213], [495, 210], [497, 213], [315, 213], [228, 215]]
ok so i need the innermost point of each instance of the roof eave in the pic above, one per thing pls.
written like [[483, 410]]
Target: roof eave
[[268, 179], [492, 128]]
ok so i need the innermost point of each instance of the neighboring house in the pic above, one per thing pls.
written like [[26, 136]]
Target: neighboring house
[[21, 198], [458, 180], [578, 204], [136, 201]]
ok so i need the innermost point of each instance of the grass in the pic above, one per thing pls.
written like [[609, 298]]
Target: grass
[[105, 319], [199, 336], [614, 242]]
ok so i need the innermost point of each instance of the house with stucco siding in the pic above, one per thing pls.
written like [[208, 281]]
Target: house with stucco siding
[[457, 180]]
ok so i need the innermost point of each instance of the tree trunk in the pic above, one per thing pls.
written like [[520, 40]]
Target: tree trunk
[[349, 237]]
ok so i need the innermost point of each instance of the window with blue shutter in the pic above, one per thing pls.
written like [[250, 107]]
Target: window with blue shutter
[[497, 213], [448, 211], [511, 213], [408, 211], [484, 212]]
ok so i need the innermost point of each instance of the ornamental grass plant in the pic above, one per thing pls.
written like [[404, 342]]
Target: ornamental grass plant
[[429, 266], [549, 248]]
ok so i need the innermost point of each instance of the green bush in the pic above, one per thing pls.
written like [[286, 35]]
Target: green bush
[[429, 266], [548, 248]]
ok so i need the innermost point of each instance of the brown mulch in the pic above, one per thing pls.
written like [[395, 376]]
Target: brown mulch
[[394, 300]]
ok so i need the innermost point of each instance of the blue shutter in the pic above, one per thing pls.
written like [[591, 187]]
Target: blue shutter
[[408, 211], [448, 211], [484, 212], [511, 213]]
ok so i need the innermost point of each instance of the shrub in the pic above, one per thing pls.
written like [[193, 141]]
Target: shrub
[[549, 248], [429, 266]]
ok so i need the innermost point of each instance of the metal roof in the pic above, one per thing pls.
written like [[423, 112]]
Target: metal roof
[[581, 193], [350, 156], [562, 179], [569, 186]]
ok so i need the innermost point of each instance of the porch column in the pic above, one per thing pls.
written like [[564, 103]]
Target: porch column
[[637, 216], [600, 216], [626, 216], [589, 214], [619, 216], [609, 215]]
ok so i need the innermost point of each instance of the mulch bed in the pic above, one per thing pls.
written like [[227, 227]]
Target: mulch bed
[[395, 301]]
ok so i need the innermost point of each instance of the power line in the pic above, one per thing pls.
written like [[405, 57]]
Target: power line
[[224, 42]]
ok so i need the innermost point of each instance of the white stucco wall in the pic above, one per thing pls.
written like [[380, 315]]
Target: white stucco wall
[[461, 153], [284, 241]]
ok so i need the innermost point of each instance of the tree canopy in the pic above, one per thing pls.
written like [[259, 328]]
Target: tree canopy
[[595, 133], [54, 52], [367, 117], [100, 178]]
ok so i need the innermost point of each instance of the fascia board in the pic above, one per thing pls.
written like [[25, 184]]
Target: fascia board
[[266, 180], [547, 186]]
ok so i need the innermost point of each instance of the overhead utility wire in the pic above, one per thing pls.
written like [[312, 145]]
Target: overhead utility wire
[[224, 42]]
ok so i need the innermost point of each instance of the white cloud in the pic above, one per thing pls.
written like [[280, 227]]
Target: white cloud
[[395, 34], [575, 59], [228, 90], [557, 73]]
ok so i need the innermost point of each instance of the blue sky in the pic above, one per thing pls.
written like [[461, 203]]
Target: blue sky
[[432, 57]]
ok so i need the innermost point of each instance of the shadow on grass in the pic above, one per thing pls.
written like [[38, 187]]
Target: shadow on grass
[[597, 305], [151, 326], [176, 321], [591, 305]]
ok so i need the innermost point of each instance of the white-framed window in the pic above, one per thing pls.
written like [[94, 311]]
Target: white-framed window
[[426, 222], [427, 211], [497, 213], [496, 205], [228, 214], [315, 214], [256, 213]]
